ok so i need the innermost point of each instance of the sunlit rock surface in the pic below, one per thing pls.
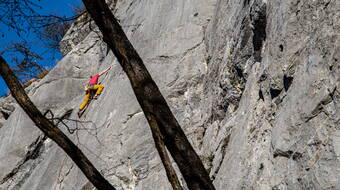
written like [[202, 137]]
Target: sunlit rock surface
[[254, 84]]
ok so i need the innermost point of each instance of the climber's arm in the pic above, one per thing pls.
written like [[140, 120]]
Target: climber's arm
[[103, 72]]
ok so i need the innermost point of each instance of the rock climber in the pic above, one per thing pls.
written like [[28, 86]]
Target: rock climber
[[94, 87]]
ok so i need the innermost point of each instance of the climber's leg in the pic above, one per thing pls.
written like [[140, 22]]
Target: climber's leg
[[99, 88], [87, 97]]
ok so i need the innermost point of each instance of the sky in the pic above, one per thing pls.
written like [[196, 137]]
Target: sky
[[60, 8]]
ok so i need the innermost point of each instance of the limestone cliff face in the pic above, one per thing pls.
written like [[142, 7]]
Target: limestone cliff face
[[254, 84]]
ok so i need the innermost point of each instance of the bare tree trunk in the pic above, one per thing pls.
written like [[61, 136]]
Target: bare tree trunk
[[52, 131], [163, 154], [149, 97]]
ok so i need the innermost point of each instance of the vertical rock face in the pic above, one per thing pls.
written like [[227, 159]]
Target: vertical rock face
[[272, 91], [254, 84]]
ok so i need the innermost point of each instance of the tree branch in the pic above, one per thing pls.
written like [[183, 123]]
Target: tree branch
[[163, 154]]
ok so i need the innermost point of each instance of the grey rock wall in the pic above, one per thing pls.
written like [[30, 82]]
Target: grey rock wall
[[254, 84], [272, 95], [7, 106]]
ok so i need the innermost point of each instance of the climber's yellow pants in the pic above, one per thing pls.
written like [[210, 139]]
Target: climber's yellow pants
[[98, 88]]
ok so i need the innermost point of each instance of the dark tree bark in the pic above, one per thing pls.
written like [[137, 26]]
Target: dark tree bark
[[163, 154], [52, 131], [149, 97]]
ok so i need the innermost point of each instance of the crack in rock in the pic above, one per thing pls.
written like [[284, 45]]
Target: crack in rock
[[287, 154], [34, 151], [66, 174], [320, 107], [180, 55], [129, 116], [223, 144]]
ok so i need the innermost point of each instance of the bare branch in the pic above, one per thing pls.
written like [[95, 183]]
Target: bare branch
[[26, 65]]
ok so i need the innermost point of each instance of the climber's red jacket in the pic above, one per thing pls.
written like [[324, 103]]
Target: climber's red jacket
[[94, 80]]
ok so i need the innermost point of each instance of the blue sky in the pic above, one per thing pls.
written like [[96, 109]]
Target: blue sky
[[60, 8]]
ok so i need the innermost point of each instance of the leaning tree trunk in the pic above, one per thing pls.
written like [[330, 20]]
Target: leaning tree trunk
[[170, 171], [149, 97], [52, 131]]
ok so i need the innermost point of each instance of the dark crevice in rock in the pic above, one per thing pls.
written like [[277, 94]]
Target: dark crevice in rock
[[261, 166], [331, 94], [261, 95], [263, 77], [136, 27], [223, 107], [208, 59], [6, 108], [259, 21], [33, 153], [281, 47], [246, 32], [274, 92], [224, 145], [320, 107], [331, 68], [315, 113], [90, 47], [6, 115], [246, 2], [130, 5], [287, 81], [326, 5], [239, 72], [287, 154]]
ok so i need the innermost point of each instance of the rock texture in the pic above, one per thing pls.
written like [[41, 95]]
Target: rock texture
[[7, 106], [254, 84]]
